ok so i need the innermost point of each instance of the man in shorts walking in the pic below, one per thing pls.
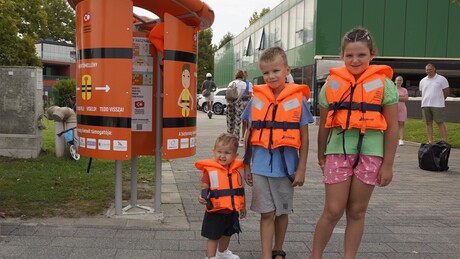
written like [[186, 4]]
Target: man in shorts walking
[[434, 89]]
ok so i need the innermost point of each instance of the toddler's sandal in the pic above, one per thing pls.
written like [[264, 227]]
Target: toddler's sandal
[[276, 253]]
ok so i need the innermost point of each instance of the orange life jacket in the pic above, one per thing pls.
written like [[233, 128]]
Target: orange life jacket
[[276, 123], [357, 104], [226, 185]]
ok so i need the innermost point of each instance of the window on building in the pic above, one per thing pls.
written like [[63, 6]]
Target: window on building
[[271, 37], [308, 19], [263, 40], [292, 28], [277, 35], [284, 30], [299, 24]]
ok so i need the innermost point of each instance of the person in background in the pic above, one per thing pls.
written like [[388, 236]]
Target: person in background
[[352, 143], [434, 89], [402, 109], [222, 194], [289, 78], [235, 108], [244, 102], [211, 86], [276, 148]]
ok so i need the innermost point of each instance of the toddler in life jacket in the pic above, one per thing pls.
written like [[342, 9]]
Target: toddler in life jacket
[[222, 194]]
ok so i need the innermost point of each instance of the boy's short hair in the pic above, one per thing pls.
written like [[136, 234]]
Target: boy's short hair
[[227, 139], [270, 54]]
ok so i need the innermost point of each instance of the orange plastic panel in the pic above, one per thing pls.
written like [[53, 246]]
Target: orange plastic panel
[[179, 106]]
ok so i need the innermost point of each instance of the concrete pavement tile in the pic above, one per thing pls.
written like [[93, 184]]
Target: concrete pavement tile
[[25, 230], [170, 197], [95, 232], [415, 256], [55, 231], [452, 247], [175, 235], [169, 187], [7, 228], [100, 221], [29, 240], [415, 247], [12, 251], [134, 234], [136, 253], [75, 242], [47, 252], [157, 244], [183, 254], [96, 253]]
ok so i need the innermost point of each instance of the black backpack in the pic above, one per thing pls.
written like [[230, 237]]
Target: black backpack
[[434, 157]]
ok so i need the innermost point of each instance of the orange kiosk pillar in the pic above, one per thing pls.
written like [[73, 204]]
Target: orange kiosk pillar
[[105, 78]]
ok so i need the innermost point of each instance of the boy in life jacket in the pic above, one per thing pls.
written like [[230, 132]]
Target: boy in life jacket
[[357, 139], [276, 148], [222, 193]]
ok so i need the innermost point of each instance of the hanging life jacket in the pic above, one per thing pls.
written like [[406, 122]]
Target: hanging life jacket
[[356, 104], [275, 123], [226, 190]]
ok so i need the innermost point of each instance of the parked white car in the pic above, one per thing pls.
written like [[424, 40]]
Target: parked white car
[[219, 104]]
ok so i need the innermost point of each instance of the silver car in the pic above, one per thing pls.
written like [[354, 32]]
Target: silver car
[[219, 104]]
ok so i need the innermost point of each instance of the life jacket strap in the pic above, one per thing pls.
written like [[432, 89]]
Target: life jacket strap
[[360, 144], [286, 171], [363, 106], [227, 192], [274, 125]]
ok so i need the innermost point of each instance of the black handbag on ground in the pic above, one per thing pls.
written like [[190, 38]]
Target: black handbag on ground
[[434, 157]]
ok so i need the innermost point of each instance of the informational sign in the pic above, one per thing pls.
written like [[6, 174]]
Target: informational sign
[[180, 79], [143, 108], [142, 84], [104, 78]]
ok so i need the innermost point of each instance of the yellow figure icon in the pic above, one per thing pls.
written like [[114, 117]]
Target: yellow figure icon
[[86, 87], [185, 100]]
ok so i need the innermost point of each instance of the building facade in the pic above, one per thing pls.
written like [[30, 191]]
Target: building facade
[[408, 35], [59, 61]]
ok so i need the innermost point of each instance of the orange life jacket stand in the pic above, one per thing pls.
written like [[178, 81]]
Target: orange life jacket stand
[[107, 122]]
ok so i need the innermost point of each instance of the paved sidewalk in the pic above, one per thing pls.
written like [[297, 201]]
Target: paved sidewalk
[[417, 216]]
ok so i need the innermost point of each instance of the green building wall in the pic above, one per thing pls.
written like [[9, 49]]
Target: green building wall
[[401, 29]]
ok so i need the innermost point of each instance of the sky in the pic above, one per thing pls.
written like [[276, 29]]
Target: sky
[[230, 15]]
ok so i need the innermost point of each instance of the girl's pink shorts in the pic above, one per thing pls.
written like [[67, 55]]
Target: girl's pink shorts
[[339, 167]]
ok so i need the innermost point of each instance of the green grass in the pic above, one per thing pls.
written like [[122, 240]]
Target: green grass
[[49, 186], [415, 131]]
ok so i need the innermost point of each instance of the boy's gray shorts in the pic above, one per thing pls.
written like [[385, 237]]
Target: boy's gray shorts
[[272, 194]]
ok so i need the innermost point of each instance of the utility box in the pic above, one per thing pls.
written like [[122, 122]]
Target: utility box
[[21, 110]]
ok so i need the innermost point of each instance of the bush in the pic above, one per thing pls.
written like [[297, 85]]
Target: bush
[[62, 91]]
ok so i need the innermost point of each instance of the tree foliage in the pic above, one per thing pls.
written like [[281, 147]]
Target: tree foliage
[[256, 16], [456, 2], [60, 21], [24, 22], [227, 37], [205, 55]]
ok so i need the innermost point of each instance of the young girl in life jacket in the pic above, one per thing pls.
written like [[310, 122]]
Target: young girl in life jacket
[[357, 139], [222, 194]]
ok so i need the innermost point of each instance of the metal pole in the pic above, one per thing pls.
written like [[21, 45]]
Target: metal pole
[[133, 181], [118, 188], [158, 134]]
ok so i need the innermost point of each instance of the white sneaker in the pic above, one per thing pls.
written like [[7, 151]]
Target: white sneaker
[[227, 254], [401, 142]]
